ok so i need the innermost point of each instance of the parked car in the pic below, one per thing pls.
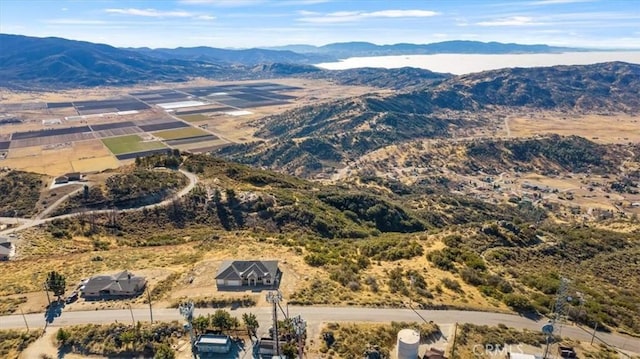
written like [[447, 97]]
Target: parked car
[[566, 352], [71, 298]]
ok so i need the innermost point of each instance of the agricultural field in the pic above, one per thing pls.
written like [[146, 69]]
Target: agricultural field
[[130, 143], [180, 133], [194, 118]]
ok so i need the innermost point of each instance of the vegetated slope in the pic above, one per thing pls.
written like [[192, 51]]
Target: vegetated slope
[[133, 188], [548, 155], [345, 129], [612, 86], [19, 193], [599, 263], [37, 63], [305, 139], [54, 62], [241, 56], [231, 196], [404, 78]]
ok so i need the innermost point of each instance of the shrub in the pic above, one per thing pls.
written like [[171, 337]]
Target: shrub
[[452, 284], [518, 302]]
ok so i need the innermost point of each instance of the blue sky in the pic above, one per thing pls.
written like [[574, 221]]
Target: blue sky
[[253, 23]]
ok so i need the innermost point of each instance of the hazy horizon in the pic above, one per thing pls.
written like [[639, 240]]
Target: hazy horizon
[[460, 64]]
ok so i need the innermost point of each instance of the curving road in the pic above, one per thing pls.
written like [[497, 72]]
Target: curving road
[[28, 223], [315, 316]]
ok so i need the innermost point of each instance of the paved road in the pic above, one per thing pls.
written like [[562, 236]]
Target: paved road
[[28, 223], [315, 316]]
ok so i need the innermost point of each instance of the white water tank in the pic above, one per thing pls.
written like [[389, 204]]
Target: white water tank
[[408, 344]]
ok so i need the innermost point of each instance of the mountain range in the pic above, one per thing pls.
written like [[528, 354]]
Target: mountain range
[[30, 62], [354, 49], [306, 139]]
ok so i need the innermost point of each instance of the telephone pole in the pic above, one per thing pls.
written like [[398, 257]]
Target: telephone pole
[[558, 310], [275, 298], [300, 326], [149, 300], [25, 319]]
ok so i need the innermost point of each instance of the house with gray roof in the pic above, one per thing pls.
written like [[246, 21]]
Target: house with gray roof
[[123, 284], [248, 273]]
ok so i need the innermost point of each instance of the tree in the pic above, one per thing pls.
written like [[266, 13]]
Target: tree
[[251, 322], [200, 323], [62, 336], [164, 351], [221, 319], [127, 337], [56, 283], [289, 351]]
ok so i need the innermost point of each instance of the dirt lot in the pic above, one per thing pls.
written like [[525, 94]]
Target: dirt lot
[[619, 128]]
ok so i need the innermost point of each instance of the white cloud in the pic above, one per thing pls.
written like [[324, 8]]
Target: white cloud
[[352, 16], [556, 2], [222, 3], [511, 21], [149, 12], [153, 13], [300, 2], [75, 22]]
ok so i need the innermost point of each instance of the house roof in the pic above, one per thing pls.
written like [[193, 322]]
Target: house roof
[[235, 270], [124, 281], [213, 340]]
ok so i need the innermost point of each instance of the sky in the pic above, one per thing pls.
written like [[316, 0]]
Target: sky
[[264, 23]]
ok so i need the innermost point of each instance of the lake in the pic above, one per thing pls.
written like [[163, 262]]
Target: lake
[[459, 64]]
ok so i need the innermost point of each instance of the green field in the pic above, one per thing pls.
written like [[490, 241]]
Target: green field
[[130, 143], [185, 132], [194, 118]]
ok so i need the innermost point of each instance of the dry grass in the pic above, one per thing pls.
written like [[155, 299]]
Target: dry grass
[[82, 156], [194, 118], [95, 164], [185, 132], [619, 128], [194, 265]]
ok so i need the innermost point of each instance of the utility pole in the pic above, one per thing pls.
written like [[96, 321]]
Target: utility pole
[[593, 336], [275, 298], [25, 319], [149, 300], [558, 309], [45, 286], [131, 311], [300, 326], [186, 310], [453, 346]]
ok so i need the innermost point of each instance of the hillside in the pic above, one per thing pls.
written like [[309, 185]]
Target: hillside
[[29, 61], [309, 139], [361, 243], [247, 57], [601, 87], [35, 63]]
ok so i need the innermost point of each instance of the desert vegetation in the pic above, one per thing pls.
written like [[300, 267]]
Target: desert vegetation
[[20, 193], [120, 339], [350, 340], [13, 342]]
